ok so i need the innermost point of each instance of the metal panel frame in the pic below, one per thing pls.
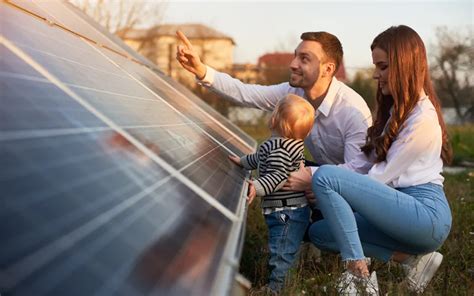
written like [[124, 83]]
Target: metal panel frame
[[232, 251]]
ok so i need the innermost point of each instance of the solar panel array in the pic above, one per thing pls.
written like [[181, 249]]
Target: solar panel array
[[114, 178]]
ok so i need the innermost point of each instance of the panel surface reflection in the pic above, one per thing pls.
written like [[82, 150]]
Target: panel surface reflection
[[88, 207], [95, 210], [146, 115]]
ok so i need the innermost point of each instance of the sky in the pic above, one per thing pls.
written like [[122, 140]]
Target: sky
[[260, 27]]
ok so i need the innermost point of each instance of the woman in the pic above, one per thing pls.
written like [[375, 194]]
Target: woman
[[398, 211]]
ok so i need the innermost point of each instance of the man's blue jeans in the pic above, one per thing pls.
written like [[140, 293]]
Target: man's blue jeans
[[363, 217], [285, 232]]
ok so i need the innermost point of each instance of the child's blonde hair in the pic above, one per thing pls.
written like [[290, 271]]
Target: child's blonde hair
[[293, 117]]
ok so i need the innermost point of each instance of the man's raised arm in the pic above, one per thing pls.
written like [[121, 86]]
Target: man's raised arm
[[188, 58], [263, 97]]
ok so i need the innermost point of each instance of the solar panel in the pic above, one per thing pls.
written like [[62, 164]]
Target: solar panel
[[115, 178], [60, 14]]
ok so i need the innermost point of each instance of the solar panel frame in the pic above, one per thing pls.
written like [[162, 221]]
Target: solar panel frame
[[134, 56], [232, 248], [68, 69], [189, 96], [60, 14]]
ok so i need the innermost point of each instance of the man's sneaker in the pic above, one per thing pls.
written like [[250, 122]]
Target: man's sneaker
[[352, 285], [420, 270]]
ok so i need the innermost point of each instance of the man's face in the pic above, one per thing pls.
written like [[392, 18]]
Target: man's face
[[305, 67]]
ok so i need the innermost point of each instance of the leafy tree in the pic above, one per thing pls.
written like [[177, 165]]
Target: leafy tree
[[121, 16], [452, 70], [365, 85]]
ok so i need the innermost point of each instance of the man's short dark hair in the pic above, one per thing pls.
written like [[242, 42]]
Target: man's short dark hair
[[331, 45]]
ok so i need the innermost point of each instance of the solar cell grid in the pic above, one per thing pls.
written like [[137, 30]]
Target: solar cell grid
[[111, 183], [156, 83], [115, 255], [223, 121], [42, 108], [65, 9], [126, 102], [31, 7], [60, 13]]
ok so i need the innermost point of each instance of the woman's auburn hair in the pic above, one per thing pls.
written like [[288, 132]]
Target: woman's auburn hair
[[408, 75]]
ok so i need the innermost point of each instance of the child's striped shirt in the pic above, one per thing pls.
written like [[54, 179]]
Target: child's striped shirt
[[275, 159]]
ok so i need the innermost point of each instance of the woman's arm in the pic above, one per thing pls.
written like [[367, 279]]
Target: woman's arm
[[420, 135]]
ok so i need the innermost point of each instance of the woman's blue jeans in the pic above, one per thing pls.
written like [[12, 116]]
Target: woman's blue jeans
[[363, 217]]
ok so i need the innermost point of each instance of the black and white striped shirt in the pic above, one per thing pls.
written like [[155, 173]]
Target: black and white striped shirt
[[275, 159]]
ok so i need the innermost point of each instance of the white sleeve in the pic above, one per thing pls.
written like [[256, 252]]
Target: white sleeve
[[413, 141], [355, 136], [252, 95], [313, 169], [360, 163]]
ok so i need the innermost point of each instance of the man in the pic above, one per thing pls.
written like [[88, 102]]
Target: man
[[341, 118]]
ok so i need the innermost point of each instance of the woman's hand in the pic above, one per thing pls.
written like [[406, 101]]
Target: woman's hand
[[188, 57], [235, 159], [299, 180]]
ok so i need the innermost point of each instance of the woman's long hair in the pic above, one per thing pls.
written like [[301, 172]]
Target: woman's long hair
[[408, 75]]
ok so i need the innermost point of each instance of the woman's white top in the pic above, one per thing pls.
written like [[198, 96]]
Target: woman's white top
[[415, 156]]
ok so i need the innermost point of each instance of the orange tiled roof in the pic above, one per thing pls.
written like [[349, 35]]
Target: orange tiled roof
[[283, 59]]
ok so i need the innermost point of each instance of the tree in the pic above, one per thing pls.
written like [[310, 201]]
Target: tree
[[365, 85], [452, 70], [121, 16]]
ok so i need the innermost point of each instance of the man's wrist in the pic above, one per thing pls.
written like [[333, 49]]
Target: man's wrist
[[208, 78], [202, 74]]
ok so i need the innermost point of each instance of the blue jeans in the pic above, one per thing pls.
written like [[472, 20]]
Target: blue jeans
[[285, 230], [366, 217]]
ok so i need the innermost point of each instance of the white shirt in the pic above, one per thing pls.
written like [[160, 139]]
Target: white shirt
[[415, 156], [341, 121]]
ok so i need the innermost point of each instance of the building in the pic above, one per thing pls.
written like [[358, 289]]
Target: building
[[276, 60], [159, 45], [247, 73], [215, 49], [275, 67]]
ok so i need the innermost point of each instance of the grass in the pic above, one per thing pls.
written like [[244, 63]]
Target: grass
[[462, 141], [315, 275]]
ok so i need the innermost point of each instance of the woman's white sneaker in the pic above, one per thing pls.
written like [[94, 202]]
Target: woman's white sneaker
[[420, 270]]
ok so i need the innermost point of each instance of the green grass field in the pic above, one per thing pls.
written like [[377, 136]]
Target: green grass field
[[462, 141], [317, 275]]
